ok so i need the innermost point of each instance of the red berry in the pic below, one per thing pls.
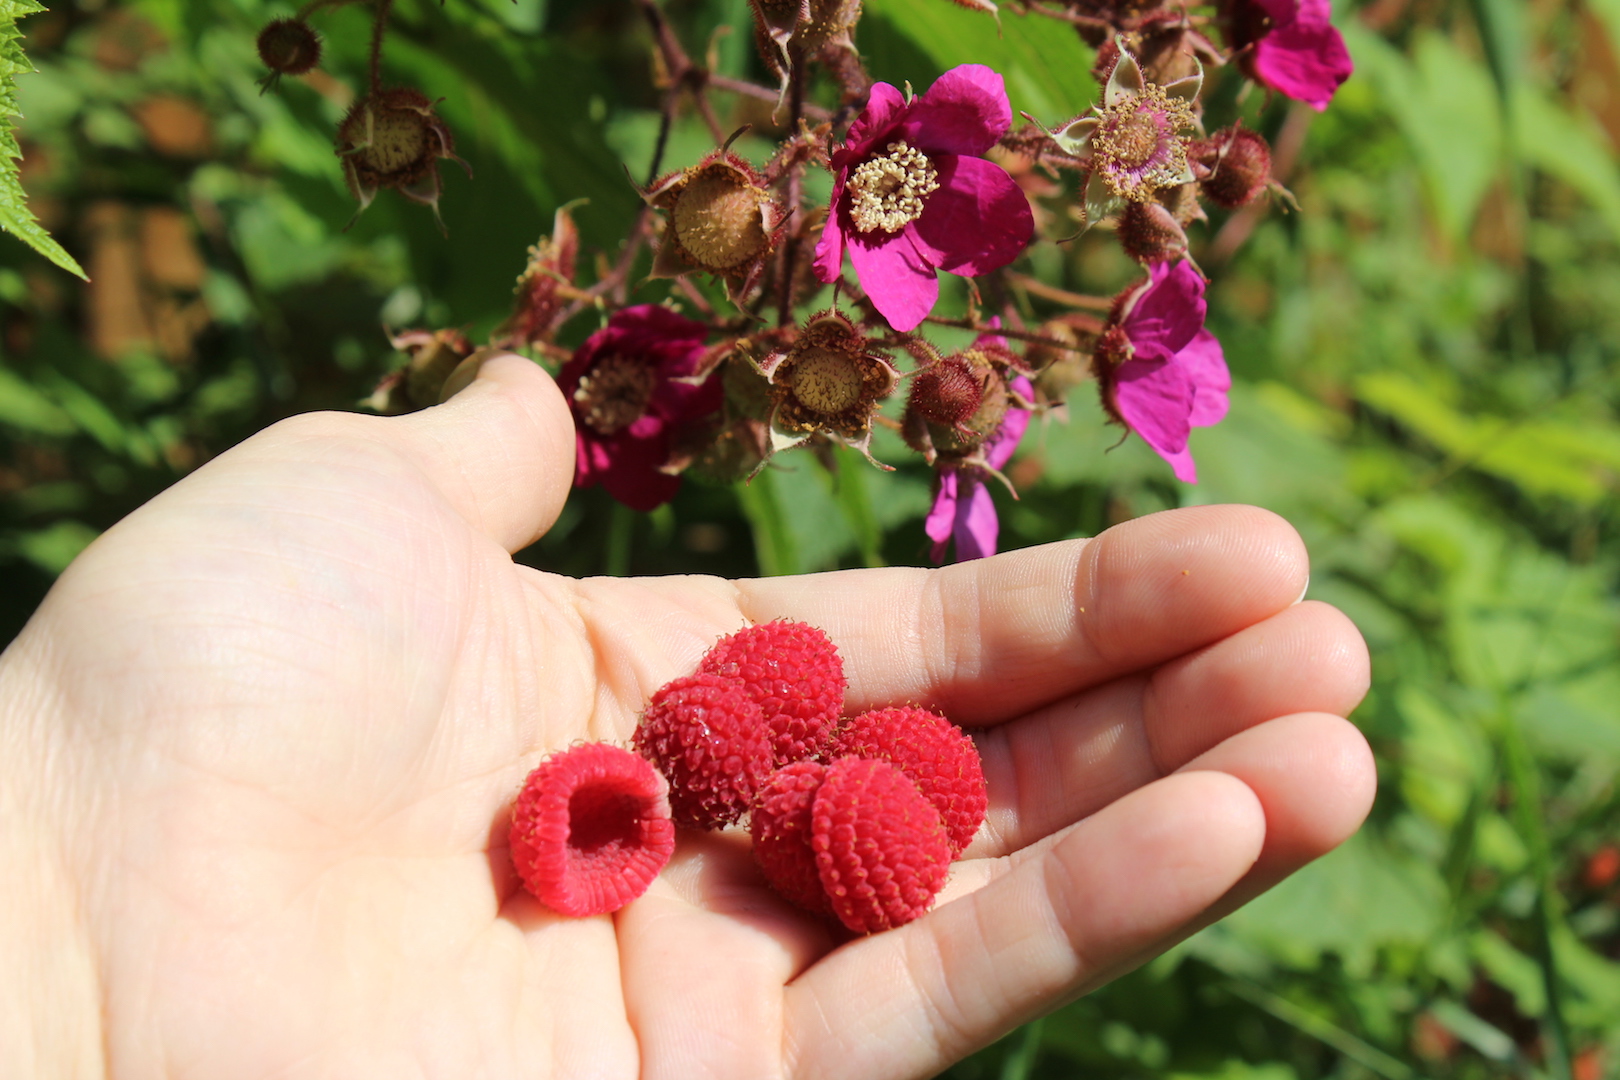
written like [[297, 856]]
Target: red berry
[[780, 823], [709, 739], [881, 849], [591, 829], [793, 671], [938, 756]]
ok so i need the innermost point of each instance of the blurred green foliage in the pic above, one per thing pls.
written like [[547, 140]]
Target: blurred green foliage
[[1427, 366]]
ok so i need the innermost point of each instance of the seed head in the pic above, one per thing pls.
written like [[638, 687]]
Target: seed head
[[722, 219], [829, 380], [394, 139]]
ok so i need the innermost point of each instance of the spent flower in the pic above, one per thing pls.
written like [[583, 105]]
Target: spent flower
[[393, 139], [722, 219], [829, 381], [630, 389]]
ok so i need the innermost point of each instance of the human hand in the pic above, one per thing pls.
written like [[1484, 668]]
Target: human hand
[[263, 738]]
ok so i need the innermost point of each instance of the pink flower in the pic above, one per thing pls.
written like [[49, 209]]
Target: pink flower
[[963, 509], [1161, 373], [1291, 47], [621, 386], [912, 193]]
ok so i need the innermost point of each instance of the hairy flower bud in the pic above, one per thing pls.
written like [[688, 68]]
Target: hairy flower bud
[[1233, 166], [1149, 232], [289, 47], [542, 287], [956, 403]]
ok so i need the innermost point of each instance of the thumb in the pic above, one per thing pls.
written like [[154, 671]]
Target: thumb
[[500, 449]]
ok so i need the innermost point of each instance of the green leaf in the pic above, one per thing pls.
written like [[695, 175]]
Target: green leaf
[[775, 548], [15, 217], [1047, 67], [1448, 109], [1547, 455], [1571, 147], [24, 407]]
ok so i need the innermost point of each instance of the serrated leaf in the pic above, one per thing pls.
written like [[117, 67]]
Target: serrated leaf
[[15, 217]]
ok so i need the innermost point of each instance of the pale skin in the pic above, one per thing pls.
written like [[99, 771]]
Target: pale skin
[[259, 746]]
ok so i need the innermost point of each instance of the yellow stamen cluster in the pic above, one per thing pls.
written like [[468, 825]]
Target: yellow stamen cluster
[[886, 192]]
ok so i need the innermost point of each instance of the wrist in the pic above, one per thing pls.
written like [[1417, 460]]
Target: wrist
[[50, 1012]]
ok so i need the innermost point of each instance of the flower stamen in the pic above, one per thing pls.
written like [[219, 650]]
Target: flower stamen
[[886, 192], [615, 393], [1138, 148]]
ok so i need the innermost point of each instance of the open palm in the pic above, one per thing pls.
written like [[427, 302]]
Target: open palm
[[284, 710]]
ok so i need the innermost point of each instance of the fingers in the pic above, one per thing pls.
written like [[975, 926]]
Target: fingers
[[501, 450], [991, 639], [1059, 920], [1316, 779], [1069, 759]]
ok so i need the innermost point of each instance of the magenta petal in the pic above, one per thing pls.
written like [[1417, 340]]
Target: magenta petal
[[1205, 363], [965, 112], [900, 284], [941, 518], [978, 221], [633, 477], [1181, 463], [829, 261], [976, 525], [1305, 60], [1168, 313], [999, 447], [883, 108], [1155, 398]]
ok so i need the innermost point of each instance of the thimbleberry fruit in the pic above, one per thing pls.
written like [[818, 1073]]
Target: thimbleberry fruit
[[936, 754], [794, 673], [880, 846], [710, 740], [780, 823], [591, 829]]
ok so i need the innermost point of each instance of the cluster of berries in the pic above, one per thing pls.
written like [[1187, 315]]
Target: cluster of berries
[[855, 818]]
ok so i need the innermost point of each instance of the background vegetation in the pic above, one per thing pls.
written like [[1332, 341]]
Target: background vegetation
[[1427, 364]]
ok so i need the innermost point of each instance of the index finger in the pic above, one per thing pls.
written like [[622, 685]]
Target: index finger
[[988, 640]]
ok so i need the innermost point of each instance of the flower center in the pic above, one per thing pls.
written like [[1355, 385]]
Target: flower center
[[398, 140], [1137, 149], [1135, 139], [886, 192], [614, 393], [826, 382]]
